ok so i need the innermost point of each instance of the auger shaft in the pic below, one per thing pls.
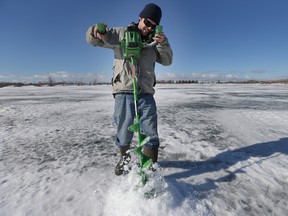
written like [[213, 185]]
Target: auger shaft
[[142, 139]]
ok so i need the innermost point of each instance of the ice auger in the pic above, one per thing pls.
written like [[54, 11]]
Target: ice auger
[[132, 46]]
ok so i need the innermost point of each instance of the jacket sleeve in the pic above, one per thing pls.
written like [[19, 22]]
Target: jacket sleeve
[[113, 36], [91, 40], [165, 53]]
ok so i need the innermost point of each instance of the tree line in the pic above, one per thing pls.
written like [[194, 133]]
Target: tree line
[[52, 82]]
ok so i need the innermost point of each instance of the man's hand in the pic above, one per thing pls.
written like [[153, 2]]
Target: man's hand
[[96, 34], [159, 37]]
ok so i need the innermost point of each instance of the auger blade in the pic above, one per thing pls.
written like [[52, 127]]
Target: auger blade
[[144, 140], [143, 178], [138, 149], [147, 163], [134, 128]]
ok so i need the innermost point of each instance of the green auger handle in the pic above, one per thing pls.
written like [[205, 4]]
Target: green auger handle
[[159, 29], [101, 28]]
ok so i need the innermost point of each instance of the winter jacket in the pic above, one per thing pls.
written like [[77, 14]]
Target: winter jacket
[[122, 80]]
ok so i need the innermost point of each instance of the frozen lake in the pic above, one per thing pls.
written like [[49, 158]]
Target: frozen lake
[[224, 151]]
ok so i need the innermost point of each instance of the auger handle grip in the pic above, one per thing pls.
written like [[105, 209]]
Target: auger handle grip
[[101, 28], [159, 29]]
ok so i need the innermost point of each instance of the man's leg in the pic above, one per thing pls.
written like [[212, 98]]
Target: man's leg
[[124, 117], [148, 125]]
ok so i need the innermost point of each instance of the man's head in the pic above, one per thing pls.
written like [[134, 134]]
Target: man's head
[[153, 12], [149, 17]]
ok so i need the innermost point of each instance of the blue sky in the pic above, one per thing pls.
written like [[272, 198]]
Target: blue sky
[[211, 39]]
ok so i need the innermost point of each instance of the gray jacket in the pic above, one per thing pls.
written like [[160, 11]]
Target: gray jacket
[[122, 80]]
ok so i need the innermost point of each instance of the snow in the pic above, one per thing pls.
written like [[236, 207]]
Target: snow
[[224, 151]]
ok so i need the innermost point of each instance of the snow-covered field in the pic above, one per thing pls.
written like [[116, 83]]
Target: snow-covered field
[[224, 151]]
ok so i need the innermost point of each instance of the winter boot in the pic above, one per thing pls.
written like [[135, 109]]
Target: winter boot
[[153, 154], [125, 158]]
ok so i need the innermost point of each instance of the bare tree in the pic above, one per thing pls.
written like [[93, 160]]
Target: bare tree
[[51, 81], [95, 81]]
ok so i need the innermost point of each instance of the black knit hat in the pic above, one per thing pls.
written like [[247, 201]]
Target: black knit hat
[[153, 12]]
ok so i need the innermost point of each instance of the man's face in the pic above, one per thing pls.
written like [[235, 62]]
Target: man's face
[[146, 26]]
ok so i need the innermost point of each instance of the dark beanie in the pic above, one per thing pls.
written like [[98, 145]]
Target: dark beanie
[[153, 12]]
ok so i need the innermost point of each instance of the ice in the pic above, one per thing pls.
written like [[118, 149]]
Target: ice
[[223, 151]]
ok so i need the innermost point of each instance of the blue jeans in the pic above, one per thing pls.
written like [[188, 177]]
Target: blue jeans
[[124, 114]]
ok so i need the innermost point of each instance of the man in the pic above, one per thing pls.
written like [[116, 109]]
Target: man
[[122, 84]]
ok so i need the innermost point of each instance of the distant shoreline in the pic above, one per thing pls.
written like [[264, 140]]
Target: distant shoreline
[[20, 84]]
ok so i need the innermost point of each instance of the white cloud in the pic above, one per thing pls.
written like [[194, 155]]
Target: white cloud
[[6, 77], [60, 74], [202, 76], [73, 77], [259, 71]]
